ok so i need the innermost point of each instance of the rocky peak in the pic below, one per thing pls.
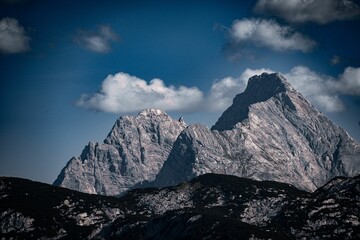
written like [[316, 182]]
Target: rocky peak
[[266, 85], [259, 89], [134, 151], [151, 112], [270, 132], [151, 120], [156, 115]]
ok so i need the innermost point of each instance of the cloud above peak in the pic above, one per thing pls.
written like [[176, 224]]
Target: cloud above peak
[[349, 82], [318, 11], [98, 41], [319, 89], [125, 93], [13, 38], [269, 34], [122, 93]]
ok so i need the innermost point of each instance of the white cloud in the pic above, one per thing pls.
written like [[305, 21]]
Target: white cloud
[[222, 92], [349, 82], [318, 11], [97, 41], [13, 38], [125, 93], [268, 33], [317, 88]]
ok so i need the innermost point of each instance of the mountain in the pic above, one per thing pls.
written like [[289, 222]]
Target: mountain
[[270, 132], [210, 206], [134, 151]]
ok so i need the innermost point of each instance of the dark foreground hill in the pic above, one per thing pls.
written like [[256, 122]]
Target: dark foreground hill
[[210, 206]]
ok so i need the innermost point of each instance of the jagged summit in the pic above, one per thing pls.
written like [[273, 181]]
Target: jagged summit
[[270, 132], [267, 85], [259, 89], [151, 112], [150, 117], [134, 151]]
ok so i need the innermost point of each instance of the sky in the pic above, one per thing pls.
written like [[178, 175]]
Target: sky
[[69, 69]]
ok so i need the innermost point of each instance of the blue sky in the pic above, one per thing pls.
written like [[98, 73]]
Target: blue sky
[[69, 69]]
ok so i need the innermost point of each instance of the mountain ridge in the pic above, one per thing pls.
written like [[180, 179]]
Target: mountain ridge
[[133, 151], [270, 132], [280, 137], [256, 91]]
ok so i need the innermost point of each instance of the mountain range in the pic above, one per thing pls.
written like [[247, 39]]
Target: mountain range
[[271, 167], [270, 132]]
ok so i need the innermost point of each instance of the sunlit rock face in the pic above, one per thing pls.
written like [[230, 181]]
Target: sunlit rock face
[[270, 132], [134, 151]]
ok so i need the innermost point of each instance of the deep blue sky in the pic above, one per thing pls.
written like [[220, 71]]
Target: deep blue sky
[[42, 125]]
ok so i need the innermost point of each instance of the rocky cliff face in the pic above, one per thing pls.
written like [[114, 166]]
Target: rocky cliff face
[[134, 151], [270, 132]]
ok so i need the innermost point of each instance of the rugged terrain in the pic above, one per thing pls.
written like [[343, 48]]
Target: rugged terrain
[[270, 132], [307, 166], [208, 207], [134, 151]]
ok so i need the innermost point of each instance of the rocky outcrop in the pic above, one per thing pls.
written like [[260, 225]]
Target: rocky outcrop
[[270, 132], [134, 151]]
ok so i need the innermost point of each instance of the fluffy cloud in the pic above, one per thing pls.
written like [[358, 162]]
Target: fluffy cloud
[[268, 33], [307, 81], [97, 41], [13, 38], [318, 11], [317, 88], [125, 93], [349, 82]]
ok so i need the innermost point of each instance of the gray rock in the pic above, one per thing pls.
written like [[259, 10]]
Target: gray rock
[[134, 151], [270, 132]]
